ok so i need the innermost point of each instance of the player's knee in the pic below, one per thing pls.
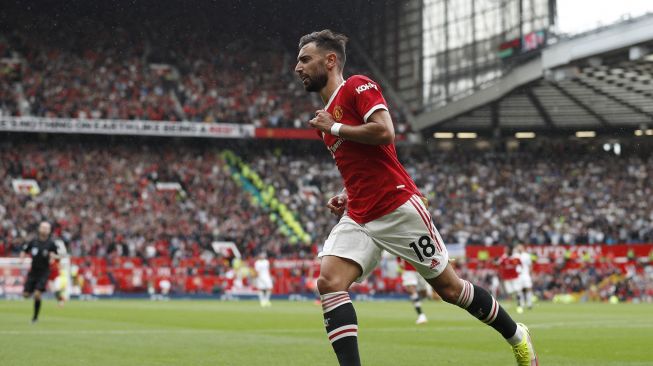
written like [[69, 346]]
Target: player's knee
[[25, 294], [449, 292], [327, 284], [37, 295], [411, 290]]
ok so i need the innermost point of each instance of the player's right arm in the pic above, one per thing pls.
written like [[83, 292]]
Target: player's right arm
[[338, 203], [24, 250], [378, 129]]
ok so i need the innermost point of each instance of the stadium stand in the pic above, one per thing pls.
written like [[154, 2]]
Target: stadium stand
[[117, 74], [115, 201], [99, 79], [106, 206], [106, 201]]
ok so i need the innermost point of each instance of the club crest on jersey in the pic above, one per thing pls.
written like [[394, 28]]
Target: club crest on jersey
[[365, 87], [337, 113]]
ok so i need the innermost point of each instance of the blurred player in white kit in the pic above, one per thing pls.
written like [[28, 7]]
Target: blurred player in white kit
[[263, 279], [415, 286], [525, 275]]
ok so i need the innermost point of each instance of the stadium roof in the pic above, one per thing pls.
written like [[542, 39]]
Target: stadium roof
[[599, 81]]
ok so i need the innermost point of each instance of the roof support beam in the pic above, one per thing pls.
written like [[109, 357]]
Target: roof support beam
[[494, 110], [582, 105], [540, 108], [613, 98]]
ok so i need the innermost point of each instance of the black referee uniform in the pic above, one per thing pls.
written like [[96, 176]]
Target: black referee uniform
[[40, 270]]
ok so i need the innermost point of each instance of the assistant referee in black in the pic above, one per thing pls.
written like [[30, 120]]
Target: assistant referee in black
[[42, 250]]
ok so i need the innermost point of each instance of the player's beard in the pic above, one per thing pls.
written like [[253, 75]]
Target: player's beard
[[317, 82]]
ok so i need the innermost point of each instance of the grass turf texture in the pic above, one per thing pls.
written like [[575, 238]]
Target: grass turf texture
[[130, 332]]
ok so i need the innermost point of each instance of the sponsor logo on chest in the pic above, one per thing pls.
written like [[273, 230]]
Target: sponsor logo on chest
[[333, 148], [365, 87]]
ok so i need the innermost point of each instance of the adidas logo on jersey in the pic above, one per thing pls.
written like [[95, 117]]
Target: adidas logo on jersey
[[365, 87]]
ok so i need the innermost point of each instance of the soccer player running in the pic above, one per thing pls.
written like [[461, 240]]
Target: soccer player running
[[380, 207], [509, 269], [416, 287], [525, 279], [41, 250]]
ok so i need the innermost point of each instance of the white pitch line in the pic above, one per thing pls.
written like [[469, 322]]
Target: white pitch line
[[435, 328], [113, 331]]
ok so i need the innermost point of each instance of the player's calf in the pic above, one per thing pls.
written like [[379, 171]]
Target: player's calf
[[341, 326], [336, 275], [478, 302], [37, 306]]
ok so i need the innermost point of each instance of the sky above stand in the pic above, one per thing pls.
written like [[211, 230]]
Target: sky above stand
[[576, 16]]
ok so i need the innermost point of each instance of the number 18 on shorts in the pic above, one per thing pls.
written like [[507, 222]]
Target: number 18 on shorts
[[407, 232]]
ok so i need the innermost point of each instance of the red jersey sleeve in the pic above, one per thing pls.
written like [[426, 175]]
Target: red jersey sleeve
[[367, 96]]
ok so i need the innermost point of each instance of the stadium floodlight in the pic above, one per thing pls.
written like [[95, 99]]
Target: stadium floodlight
[[607, 147], [649, 132], [584, 134], [525, 135], [466, 135], [443, 135], [639, 132]]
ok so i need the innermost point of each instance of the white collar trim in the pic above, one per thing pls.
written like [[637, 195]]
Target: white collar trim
[[333, 95]]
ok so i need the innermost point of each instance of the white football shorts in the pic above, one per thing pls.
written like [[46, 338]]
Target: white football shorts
[[407, 232], [412, 278], [264, 282], [512, 286], [525, 281]]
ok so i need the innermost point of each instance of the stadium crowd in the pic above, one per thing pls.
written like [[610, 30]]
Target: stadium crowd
[[104, 201], [499, 198], [111, 75], [158, 74], [475, 198]]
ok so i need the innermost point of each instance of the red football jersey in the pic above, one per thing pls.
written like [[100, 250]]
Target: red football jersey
[[405, 265], [54, 270], [375, 180], [509, 268]]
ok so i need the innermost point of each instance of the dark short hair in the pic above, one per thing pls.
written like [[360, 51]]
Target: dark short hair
[[328, 40]]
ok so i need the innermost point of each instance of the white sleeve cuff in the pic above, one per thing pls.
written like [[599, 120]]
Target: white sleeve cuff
[[374, 109]]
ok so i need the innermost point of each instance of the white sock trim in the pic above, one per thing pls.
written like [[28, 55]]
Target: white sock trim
[[494, 311], [333, 300], [350, 330], [466, 295], [517, 337]]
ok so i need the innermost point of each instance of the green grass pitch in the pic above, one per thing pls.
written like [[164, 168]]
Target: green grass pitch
[[205, 332]]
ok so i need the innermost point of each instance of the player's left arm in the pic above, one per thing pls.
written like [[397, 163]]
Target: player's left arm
[[378, 130]]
